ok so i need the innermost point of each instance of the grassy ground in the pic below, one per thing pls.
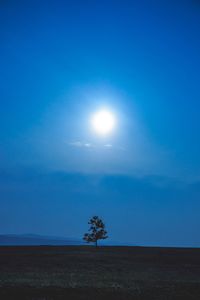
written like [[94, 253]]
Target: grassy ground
[[51, 273]]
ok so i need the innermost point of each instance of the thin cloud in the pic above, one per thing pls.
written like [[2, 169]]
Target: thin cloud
[[80, 144], [108, 146], [88, 145]]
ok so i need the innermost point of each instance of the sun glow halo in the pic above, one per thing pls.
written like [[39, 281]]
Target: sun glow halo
[[103, 122]]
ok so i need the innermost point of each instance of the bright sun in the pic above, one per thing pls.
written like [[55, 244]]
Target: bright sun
[[103, 122]]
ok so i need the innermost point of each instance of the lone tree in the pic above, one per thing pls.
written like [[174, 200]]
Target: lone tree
[[97, 231]]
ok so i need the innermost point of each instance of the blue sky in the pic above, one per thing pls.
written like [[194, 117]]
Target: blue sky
[[63, 60]]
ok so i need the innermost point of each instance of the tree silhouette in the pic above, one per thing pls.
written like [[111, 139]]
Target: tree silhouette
[[97, 231]]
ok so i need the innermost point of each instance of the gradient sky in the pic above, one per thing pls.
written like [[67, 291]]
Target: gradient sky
[[60, 61]]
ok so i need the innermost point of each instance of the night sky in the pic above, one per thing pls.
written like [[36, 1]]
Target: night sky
[[62, 61]]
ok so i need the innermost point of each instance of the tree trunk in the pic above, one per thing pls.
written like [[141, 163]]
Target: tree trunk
[[96, 245]]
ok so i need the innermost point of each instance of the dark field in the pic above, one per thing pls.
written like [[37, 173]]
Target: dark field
[[48, 273]]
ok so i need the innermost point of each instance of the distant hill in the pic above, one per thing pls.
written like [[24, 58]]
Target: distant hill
[[35, 240]]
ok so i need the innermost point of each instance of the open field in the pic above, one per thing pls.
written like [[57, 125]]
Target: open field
[[79, 272]]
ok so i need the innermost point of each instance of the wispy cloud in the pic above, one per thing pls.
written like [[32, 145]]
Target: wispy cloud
[[81, 144], [108, 146]]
